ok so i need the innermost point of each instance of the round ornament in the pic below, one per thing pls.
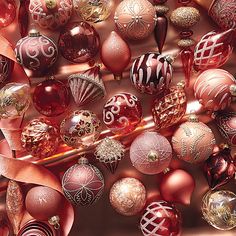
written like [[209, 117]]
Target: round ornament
[[150, 153], [218, 209], [161, 219], [151, 73], [7, 13], [51, 97], [36, 52], [6, 68], [80, 128], [40, 138], [214, 89], [122, 113], [50, 14], [83, 183], [128, 196], [79, 42], [135, 19]]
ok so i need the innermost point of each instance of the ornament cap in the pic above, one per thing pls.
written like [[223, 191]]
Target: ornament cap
[[152, 155], [170, 59], [83, 161], [224, 146], [193, 118], [232, 89], [34, 33], [50, 4], [54, 221], [181, 84]]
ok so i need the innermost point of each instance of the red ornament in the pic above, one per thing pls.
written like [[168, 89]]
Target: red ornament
[[213, 50], [115, 54], [79, 42], [161, 219], [214, 89], [177, 186], [152, 73], [6, 68], [51, 97], [122, 113], [83, 184], [23, 17], [219, 168], [7, 12]]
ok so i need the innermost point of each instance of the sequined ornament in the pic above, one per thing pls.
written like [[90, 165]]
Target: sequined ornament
[[161, 219], [6, 68], [93, 10], [50, 14], [213, 50], [110, 152], [218, 209], [214, 89], [7, 13], [40, 138], [150, 153], [169, 109], [83, 183], [135, 19], [193, 141], [128, 196], [36, 52], [81, 128], [122, 113], [87, 86], [151, 73]]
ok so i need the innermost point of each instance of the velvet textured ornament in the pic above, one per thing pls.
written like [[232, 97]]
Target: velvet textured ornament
[[6, 68], [7, 13]]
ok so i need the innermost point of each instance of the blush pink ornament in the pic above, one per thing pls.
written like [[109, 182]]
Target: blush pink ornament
[[214, 89], [150, 153]]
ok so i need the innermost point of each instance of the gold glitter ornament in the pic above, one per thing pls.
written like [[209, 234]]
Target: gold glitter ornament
[[162, 9]]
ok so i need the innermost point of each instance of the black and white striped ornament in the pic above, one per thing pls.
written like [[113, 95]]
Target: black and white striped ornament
[[152, 73]]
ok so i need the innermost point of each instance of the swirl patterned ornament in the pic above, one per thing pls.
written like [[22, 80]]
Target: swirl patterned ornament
[[6, 68]]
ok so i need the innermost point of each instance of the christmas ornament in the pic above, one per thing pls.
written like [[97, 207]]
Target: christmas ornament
[[36, 52], [161, 218], [193, 141], [151, 73], [218, 209], [40, 138], [135, 19], [169, 109], [128, 196], [6, 68], [23, 17], [122, 113], [219, 168], [177, 186], [213, 50], [50, 14], [93, 10], [87, 86], [114, 49], [51, 97], [80, 128], [83, 183], [7, 13], [226, 123], [110, 152], [214, 89], [79, 42], [150, 153]]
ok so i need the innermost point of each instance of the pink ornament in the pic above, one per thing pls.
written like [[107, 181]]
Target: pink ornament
[[150, 153], [6, 68], [214, 89], [7, 12], [122, 113]]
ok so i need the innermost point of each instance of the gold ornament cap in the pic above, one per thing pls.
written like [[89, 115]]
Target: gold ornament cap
[[34, 33], [83, 161], [54, 221], [193, 118], [232, 89], [152, 156], [50, 4]]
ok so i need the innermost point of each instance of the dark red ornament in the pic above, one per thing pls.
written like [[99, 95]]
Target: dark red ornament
[[6, 68], [79, 42], [159, 1], [23, 17], [7, 12], [51, 97]]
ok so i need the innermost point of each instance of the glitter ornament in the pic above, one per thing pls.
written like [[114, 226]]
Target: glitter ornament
[[83, 184], [151, 73], [40, 138], [110, 152], [150, 153], [80, 129], [135, 19], [7, 13], [6, 68], [128, 196], [50, 14], [218, 209], [161, 219], [122, 113]]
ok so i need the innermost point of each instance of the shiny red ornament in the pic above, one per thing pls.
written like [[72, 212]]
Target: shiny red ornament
[[79, 42], [51, 97], [219, 168], [7, 12], [161, 219], [177, 186], [115, 54], [6, 68], [122, 113], [23, 17], [213, 50]]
